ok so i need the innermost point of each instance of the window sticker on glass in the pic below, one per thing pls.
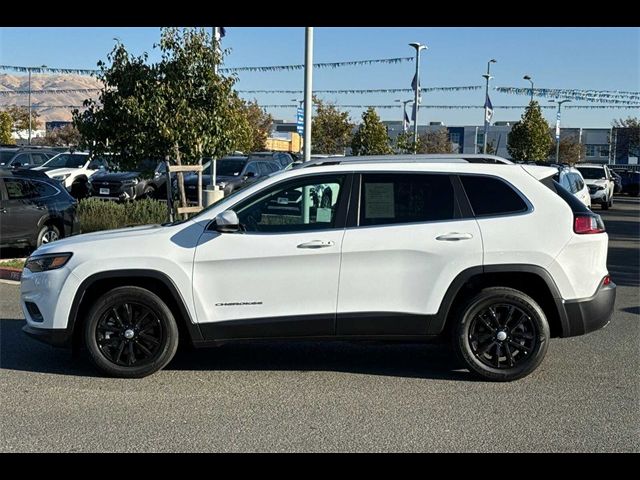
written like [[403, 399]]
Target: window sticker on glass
[[379, 201], [283, 201]]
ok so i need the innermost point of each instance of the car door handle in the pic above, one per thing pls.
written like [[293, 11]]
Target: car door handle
[[316, 244], [454, 237]]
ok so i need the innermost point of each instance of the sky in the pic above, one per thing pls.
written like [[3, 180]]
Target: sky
[[586, 58]]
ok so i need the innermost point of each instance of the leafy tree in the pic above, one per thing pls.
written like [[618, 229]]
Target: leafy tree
[[20, 118], [371, 138], [436, 141], [491, 148], [177, 109], [633, 124], [529, 139], [259, 126], [331, 129], [404, 142], [67, 135], [571, 150], [5, 128]]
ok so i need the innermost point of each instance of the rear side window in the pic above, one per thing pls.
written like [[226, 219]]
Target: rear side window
[[491, 196], [576, 205], [387, 199], [18, 189]]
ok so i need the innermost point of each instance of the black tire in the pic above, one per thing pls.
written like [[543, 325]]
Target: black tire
[[106, 335], [149, 192], [80, 189], [48, 233], [605, 205], [524, 344]]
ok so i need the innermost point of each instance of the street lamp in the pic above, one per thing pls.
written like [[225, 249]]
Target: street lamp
[[487, 77], [301, 102], [416, 104], [29, 70], [404, 112], [559, 102], [527, 77]]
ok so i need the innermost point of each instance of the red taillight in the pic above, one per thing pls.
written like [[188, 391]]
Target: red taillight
[[588, 223], [607, 280]]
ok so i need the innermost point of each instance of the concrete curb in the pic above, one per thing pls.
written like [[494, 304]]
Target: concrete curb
[[10, 273]]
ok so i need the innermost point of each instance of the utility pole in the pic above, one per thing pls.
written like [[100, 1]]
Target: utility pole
[[487, 77], [308, 86], [416, 104]]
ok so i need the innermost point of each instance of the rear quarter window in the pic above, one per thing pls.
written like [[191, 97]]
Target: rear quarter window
[[491, 196]]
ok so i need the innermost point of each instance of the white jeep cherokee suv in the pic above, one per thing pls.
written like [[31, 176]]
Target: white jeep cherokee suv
[[411, 248], [73, 170]]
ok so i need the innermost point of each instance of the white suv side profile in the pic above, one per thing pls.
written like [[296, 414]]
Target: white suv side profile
[[409, 249], [73, 170], [600, 182]]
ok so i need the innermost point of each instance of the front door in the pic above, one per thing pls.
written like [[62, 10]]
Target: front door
[[279, 277], [410, 241], [20, 210]]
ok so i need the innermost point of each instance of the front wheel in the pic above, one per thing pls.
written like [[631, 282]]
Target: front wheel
[[501, 334], [130, 333], [47, 234]]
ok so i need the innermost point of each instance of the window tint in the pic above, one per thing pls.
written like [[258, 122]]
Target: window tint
[[264, 168], [577, 182], [18, 189], [252, 167], [22, 159], [39, 158], [491, 196], [306, 204], [404, 198], [576, 205]]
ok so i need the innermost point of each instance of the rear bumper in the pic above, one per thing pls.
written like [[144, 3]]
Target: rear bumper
[[588, 314]]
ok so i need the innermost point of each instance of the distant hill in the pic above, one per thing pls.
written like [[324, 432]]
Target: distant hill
[[10, 82]]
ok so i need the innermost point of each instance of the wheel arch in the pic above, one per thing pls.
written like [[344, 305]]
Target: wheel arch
[[532, 280], [155, 281]]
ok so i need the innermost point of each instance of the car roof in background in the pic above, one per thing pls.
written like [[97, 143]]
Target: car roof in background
[[23, 173]]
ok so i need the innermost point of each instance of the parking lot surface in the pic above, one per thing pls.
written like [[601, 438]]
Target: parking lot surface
[[336, 397]]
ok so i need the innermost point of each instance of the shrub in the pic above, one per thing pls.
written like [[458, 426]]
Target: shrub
[[96, 215]]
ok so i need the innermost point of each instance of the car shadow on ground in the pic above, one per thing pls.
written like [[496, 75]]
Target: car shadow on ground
[[430, 361]]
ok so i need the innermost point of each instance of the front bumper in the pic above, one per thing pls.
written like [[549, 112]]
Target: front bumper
[[598, 196], [58, 337], [588, 314]]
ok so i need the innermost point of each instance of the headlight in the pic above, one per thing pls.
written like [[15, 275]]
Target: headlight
[[42, 263], [128, 183], [61, 177]]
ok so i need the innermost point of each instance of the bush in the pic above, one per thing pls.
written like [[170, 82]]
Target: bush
[[96, 215]]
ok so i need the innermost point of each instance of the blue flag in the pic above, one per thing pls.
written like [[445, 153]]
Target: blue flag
[[488, 110], [405, 123]]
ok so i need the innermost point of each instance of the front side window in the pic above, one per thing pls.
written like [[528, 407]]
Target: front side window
[[229, 167], [67, 160], [39, 158], [390, 198], [252, 168], [491, 196], [302, 205]]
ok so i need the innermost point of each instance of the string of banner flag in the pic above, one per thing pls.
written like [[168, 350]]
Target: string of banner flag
[[434, 107]]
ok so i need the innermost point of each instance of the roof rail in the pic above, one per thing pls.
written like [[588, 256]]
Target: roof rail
[[408, 158]]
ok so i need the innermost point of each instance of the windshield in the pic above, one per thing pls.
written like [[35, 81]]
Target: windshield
[[229, 168], [232, 195], [592, 173], [67, 160], [5, 157]]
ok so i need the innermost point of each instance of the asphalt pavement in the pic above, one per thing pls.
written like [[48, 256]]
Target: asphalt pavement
[[585, 397]]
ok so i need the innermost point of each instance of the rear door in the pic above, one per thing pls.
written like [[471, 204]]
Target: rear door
[[21, 210], [409, 240]]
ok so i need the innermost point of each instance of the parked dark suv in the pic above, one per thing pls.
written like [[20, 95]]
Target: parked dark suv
[[114, 184], [34, 209], [27, 157], [282, 158], [232, 173]]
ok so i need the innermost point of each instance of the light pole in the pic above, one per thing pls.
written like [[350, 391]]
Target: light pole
[[308, 90], [416, 104], [559, 102], [527, 77], [29, 70], [404, 112], [487, 77], [300, 102]]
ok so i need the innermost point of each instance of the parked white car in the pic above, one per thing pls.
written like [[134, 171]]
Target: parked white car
[[600, 183], [415, 247], [571, 179], [73, 170]]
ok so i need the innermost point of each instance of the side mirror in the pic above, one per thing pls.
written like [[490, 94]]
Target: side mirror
[[250, 174], [226, 222]]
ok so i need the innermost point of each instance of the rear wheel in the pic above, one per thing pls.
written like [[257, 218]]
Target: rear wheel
[[47, 234], [80, 189], [149, 192], [131, 333], [501, 334], [605, 205]]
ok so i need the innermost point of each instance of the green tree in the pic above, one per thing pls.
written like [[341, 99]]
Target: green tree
[[66, 136], [254, 127], [404, 142], [371, 138], [331, 129], [20, 118], [633, 124], [177, 109], [529, 139], [571, 150], [5, 128], [436, 141], [491, 148]]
